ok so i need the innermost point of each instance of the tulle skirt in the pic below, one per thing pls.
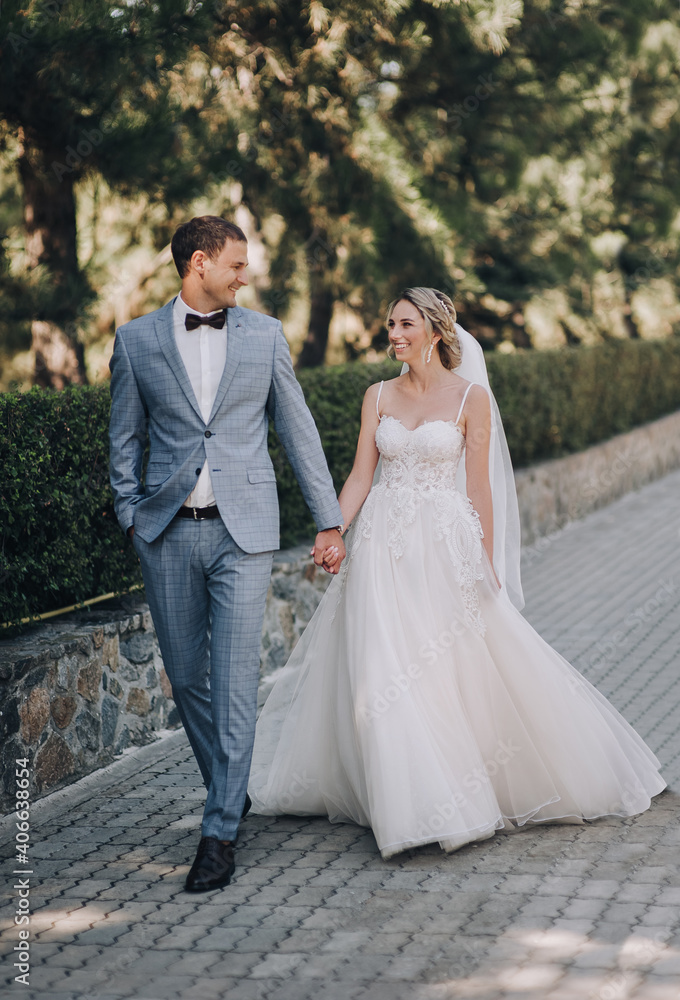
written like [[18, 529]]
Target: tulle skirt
[[395, 712]]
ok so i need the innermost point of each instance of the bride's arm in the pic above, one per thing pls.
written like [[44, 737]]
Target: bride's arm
[[360, 479], [477, 438]]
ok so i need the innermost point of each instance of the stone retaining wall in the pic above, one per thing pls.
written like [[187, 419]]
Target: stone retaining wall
[[77, 691], [552, 494]]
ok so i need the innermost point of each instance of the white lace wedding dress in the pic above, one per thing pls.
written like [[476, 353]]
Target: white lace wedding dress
[[419, 701]]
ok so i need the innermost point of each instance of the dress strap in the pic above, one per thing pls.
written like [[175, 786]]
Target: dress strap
[[377, 402], [460, 412]]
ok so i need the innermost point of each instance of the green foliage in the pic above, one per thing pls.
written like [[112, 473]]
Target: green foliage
[[91, 89], [60, 539], [90, 85], [555, 403]]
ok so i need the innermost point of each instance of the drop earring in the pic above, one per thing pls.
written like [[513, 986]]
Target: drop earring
[[429, 355]]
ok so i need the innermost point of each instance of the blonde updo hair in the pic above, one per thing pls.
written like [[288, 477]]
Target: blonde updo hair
[[439, 314]]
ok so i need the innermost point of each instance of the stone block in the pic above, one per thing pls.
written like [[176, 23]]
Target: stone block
[[54, 762], [34, 714], [63, 709], [138, 647], [88, 729], [10, 751], [307, 598], [110, 653], [116, 688], [9, 718], [123, 740], [89, 681], [110, 712], [138, 702], [63, 674], [166, 686], [284, 587], [276, 652]]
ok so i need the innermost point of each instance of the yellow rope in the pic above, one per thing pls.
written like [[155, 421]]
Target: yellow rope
[[73, 607]]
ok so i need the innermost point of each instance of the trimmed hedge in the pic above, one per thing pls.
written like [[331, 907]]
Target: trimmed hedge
[[60, 540], [555, 403]]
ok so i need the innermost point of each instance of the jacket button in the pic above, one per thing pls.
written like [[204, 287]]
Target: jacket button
[[198, 472], [208, 434]]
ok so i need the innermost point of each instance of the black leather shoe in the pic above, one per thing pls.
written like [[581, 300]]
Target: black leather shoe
[[213, 867], [246, 806]]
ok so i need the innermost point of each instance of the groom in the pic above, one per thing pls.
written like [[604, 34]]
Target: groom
[[199, 379]]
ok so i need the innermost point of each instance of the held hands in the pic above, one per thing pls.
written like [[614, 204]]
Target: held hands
[[329, 550]]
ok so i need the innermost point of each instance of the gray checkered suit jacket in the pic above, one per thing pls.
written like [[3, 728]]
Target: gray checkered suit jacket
[[151, 394]]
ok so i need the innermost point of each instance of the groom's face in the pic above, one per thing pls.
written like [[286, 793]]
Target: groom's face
[[225, 275]]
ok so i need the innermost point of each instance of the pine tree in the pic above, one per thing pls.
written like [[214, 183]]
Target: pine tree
[[87, 86]]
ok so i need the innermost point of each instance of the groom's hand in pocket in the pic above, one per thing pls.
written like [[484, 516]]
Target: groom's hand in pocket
[[329, 550]]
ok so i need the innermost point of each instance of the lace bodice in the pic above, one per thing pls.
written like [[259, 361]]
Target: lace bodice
[[419, 468], [432, 449]]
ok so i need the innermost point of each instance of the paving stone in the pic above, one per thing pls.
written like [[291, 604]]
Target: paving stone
[[277, 965], [643, 892], [663, 916], [294, 989], [408, 968], [545, 906], [322, 966], [624, 913], [585, 908], [385, 943], [218, 965], [259, 940], [599, 889], [303, 940], [210, 989], [72, 956]]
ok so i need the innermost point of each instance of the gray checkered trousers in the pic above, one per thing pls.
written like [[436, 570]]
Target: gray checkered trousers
[[206, 581]]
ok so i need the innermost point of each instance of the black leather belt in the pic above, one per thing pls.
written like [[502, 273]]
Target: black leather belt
[[198, 513]]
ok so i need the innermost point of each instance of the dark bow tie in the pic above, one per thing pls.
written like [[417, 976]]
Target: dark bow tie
[[216, 321]]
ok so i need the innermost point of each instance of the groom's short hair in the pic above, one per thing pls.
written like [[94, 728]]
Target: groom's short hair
[[208, 233]]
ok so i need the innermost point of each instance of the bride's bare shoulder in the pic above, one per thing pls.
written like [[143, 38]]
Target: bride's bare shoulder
[[477, 399], [371, 397], [380, 388]]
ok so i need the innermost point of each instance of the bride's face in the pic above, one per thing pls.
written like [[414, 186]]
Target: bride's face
[[407, 333]]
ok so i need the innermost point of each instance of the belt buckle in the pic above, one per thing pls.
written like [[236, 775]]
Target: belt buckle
[[195, 516]]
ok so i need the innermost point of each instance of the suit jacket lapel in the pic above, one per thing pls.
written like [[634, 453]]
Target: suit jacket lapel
[[235, 335], [166, 339]]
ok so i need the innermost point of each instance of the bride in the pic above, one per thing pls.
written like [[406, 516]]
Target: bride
[[419, 701]]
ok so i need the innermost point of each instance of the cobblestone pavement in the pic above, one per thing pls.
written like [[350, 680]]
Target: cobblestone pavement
[[551, 913]]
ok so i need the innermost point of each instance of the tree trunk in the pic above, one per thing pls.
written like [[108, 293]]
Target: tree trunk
[[58, 361], [50, 227], [313, 351]]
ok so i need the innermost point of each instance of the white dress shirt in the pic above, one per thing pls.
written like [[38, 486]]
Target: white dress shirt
[[203, 352]]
